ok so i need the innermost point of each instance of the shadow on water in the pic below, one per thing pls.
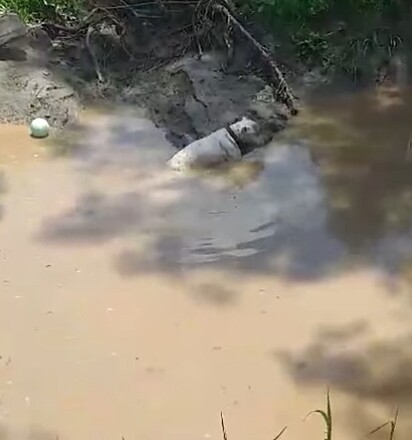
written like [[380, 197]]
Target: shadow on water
[[368, 370], [334, 191], [96, 219]]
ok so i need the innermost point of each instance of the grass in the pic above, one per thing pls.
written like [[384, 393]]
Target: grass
[[326, 414], [354, 36], [43, 10], [302, 12], [391, 424]]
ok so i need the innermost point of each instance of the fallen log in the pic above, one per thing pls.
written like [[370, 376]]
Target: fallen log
[[278, 82]]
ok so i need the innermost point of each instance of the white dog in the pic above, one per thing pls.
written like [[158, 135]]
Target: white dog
[[223, 145]]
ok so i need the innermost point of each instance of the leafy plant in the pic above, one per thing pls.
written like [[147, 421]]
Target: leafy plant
[[39, 10], [312, 47]]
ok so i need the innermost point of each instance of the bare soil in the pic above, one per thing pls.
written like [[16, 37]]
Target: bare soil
[[29, 88], [188, 96]]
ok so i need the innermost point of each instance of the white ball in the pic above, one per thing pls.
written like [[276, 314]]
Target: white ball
[[39, 128]]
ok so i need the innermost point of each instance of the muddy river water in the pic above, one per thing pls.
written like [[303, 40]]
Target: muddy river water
[[137, 303]]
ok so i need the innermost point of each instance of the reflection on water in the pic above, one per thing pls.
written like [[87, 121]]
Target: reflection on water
[[361, 145], [127, 290], [266, 213], [335, 188]]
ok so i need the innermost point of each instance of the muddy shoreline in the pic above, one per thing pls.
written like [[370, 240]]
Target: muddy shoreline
[[129, 290], [188, 97]]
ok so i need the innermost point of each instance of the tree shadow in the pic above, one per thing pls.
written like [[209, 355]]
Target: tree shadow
[[215, 294], [95, 219], [360, 142], [379, 371], [333, 196], [264, 215]]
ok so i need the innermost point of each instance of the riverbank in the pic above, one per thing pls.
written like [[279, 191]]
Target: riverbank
[[116, 57], [193, 75]]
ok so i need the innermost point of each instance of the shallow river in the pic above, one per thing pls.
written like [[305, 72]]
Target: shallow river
[[138, 303]]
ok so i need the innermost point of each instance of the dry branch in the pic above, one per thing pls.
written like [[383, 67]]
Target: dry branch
[[282, 90], [93, 55]]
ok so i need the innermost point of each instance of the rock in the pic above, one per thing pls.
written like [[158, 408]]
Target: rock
[[11, 28]]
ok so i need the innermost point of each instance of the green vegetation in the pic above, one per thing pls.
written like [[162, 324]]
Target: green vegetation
[[356, 36], [327, 418], [302, 12], [41, 10]]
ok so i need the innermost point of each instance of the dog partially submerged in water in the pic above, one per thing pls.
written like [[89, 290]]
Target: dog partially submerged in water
[[225, 145]]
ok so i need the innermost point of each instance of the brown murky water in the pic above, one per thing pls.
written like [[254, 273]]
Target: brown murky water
[[137, 303]]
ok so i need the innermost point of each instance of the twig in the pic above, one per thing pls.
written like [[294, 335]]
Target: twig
[[93, 55], [409, 148], [391, 423], [222, 421], [83, 24], [282, 89], [152, 3], [281, 433]]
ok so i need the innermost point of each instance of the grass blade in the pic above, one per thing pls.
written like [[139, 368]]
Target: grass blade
[[281, 433], [391, 423], [222, 421], [326, 415], [384, 425]]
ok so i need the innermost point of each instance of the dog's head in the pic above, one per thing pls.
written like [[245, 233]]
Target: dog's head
[[245, 128]]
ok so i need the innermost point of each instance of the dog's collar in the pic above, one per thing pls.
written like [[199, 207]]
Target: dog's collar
[[239, 143]]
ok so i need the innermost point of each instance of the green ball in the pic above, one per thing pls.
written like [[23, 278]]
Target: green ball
[[39, 128]]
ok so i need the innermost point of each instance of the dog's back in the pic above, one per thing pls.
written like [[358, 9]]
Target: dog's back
[[211, 150]]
